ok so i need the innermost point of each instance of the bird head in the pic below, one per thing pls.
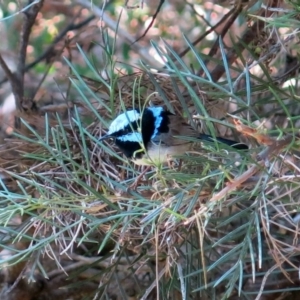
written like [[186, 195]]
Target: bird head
[[134, 129]]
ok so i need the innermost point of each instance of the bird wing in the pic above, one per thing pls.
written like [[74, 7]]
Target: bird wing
[[179, 128]]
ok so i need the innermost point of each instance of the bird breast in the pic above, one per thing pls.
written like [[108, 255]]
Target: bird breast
[[160, 154]]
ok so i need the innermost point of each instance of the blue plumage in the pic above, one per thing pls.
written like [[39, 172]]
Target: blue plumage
[[157, 113], [131, 137], [121, 121]]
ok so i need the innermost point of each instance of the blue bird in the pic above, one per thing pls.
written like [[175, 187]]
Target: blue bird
[[152, 136]]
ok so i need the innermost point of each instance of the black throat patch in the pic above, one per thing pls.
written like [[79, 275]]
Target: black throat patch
[[148, 127]]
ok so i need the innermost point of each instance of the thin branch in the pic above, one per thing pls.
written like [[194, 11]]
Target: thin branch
[[192, 6], [142, 51], [237, 182], [49, 51], [206, 33], [6, 70], [30, 15], [235, 13], [161, 2], [248, 37]]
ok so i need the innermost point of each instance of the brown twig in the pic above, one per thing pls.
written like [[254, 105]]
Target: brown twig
[[6, 70], [192, 6], [49, 51], [235, 13], [263, 157], [29, 19], [248, 37], [152, 21], [17, 79], [121, 33], [261, 138], [206, 33]]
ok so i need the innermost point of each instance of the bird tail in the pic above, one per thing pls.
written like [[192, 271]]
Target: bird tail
[[233, 144]]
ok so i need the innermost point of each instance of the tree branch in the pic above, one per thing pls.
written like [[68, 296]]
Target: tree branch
[[142, 51], [48, 52], [6, 70], [30, 15], [248, 37]]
